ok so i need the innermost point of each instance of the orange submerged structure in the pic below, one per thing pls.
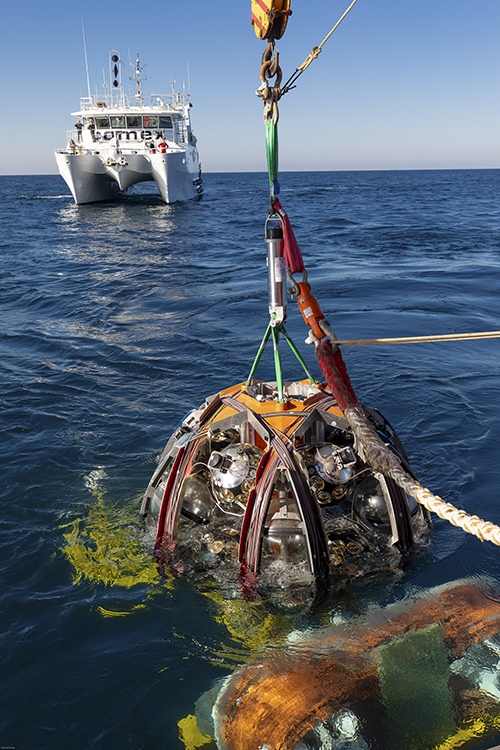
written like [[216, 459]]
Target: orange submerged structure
[[275, 702]]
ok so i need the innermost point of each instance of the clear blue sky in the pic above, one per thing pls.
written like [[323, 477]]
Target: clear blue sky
[[402, 84]]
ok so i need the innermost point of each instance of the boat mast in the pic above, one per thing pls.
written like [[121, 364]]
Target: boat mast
[[139, 80], [86, 59]]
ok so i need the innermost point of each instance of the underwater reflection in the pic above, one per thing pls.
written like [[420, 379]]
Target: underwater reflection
[[421, 674]]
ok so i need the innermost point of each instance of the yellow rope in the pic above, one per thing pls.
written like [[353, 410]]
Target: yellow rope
[[290, 84], [316, 50], [421, 339]]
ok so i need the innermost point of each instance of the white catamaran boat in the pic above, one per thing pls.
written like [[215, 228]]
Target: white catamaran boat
[[120, 140]]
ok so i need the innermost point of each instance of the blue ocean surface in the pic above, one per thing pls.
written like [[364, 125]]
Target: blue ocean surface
[[117, 319]]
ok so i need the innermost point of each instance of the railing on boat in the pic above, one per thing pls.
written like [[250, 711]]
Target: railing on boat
[[108, 101]]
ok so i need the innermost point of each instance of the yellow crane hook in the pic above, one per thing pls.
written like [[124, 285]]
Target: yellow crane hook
[[269, 18]]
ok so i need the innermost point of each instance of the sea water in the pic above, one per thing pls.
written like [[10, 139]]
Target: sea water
[[117, 319]]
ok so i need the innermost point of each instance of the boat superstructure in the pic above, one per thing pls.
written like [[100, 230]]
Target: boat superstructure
[[119, 140]]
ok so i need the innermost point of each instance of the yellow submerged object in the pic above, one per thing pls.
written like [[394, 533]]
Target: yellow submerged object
[[191, 735], [269, 18]]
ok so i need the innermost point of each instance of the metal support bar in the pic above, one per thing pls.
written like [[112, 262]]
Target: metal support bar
[[298, 355], [275, 331], [277, 364], [259, 354]]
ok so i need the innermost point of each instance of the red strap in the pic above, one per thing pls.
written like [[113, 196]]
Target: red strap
[[335, 373], [293, 256], [162, 516]]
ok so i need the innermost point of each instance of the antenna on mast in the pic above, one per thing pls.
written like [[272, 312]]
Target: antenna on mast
[[86, 59], [139, 79]]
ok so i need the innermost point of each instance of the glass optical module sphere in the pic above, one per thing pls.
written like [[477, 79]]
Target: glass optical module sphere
[[370, 504]]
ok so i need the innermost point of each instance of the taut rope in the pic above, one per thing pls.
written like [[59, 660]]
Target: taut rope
[[421, 339], [290, 84]]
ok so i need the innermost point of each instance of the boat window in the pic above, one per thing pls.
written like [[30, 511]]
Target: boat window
[[166, 122], [88, 122], [134, 121], [150, 121], [118, 121], [102, 122]]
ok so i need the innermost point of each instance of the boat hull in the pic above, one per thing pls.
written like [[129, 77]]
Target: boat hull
[[94, 177]]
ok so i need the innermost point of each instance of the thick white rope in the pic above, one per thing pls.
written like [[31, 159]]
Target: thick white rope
[[382, 459]]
